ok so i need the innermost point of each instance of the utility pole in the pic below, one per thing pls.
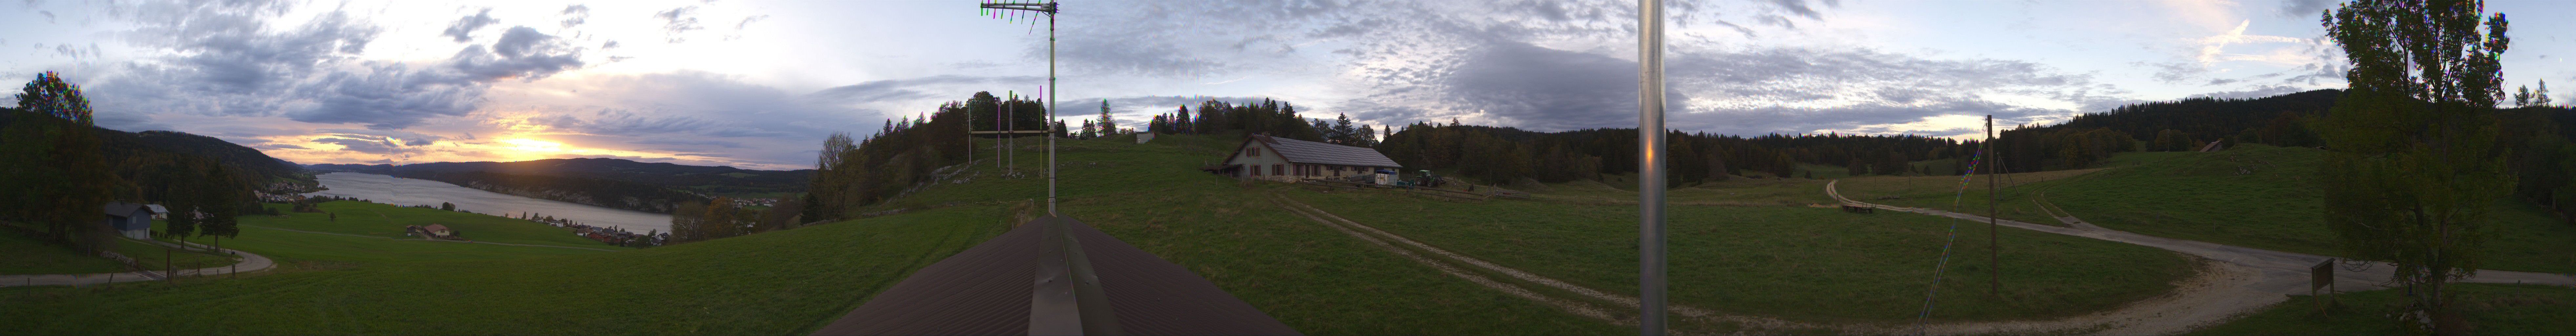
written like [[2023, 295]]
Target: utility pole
[[1013, 113], [1994, 249], [1650, 167]]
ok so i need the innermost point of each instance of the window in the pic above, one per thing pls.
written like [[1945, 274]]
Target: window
[[1256, 170], [1252, 152], [1279, 169]]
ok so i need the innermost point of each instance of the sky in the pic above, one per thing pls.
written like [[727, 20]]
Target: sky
[[760, 84]]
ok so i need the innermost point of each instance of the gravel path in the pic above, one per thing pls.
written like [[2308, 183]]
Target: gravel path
[[2275, 275], [250, 263]]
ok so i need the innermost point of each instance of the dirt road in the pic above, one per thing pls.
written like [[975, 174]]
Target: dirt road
[[2276, 274]]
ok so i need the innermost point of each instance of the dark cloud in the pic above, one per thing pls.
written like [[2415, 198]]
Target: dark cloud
[[908, 89], [464, 27], [575, 15], [1751, 91], [1799, 8], [2305, 9], [678, 21], [377, 147], [682, 142], [522, 53], [2258, 92]]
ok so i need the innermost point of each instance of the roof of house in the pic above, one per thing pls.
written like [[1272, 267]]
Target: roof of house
[[123, 208], [1302, 151], [157, 208], [435, 228], [987, 290]]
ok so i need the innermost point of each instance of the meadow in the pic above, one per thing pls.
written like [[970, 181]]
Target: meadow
[[2491, 309], [775, 283], [1801, 263]]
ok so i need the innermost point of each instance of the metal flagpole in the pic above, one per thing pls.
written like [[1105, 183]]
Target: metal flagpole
[[1650, 168]]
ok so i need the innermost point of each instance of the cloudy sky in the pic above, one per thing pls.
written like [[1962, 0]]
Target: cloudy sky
[[758, 84]]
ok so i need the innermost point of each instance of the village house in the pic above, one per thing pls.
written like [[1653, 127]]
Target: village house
[[1288, 160], [432, 231], [158, 211], [130, 220]]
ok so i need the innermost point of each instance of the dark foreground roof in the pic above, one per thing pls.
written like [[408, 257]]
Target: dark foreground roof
[[988, 289], [122, 209], [1302, 151]]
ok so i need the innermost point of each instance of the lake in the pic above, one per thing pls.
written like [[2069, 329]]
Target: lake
[[404, 191]]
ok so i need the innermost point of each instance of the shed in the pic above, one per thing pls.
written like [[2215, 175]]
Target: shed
[[438, 231], [130, 220], [1282, 159]]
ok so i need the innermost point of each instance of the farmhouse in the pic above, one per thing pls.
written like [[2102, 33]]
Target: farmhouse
[[435, 231], [1282, 159], [158, 211], [130, 220]]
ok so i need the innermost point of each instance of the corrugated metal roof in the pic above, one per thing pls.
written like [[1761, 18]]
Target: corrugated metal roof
[[987, 290], [1310, 152]]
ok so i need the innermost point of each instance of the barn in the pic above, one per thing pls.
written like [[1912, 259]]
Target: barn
[[1286, 160]]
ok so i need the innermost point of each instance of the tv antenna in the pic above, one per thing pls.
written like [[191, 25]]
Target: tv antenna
[[1030, 12]]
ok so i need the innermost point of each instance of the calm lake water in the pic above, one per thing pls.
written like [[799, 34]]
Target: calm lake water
[[403, 191]]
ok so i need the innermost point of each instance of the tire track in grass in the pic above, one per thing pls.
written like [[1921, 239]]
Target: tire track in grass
[[1380, 237], [1576, 307]]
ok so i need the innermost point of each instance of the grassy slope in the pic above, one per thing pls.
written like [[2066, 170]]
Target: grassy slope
[[28, 255], [1945, 193], [2492, 309], [1310, 277], [380, 220], [1802, 263], [773, 283], [2274, 205]]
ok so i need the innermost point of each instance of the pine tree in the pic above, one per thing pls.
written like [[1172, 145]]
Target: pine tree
[[1107, 125], [1182, 121]]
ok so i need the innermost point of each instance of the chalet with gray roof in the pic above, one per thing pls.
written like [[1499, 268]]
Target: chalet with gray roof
[[1287, 160], [130, 220]]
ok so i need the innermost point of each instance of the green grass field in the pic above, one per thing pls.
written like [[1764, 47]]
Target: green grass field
[[782, 282], [380, 220], [2267, 197], [1308, 276], [2492, 309], [28, 255], [1802, 263]]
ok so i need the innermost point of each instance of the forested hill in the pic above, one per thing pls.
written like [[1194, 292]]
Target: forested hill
[[256, 164], [715, 180], [131, 147]]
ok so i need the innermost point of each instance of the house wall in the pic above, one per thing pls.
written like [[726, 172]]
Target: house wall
[[1266, 162], [1270, 164]]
